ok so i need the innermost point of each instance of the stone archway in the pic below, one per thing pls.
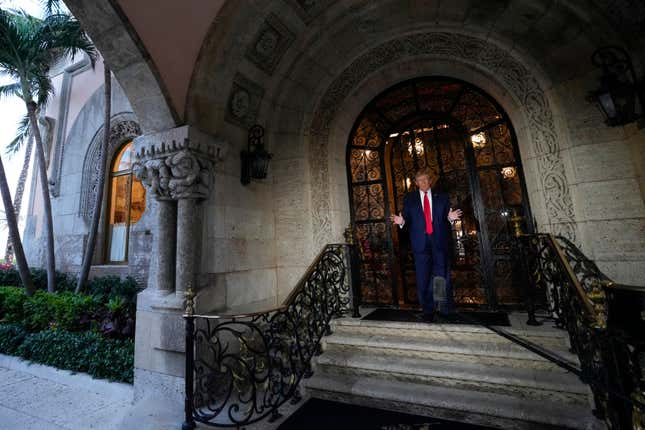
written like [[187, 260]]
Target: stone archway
[[467, 55]]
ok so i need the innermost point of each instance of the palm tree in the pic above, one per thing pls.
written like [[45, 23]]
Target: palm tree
[[13, 147], [28, 48], [53, 7], [14, 234], [88, 254]]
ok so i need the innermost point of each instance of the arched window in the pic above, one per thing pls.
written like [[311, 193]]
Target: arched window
[[127, 201]]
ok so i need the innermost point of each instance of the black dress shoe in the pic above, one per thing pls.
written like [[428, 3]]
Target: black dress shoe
[[428, 317]]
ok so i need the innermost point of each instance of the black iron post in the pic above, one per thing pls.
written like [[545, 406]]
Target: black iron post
[[529, 287], [355, 262], [189, 422]]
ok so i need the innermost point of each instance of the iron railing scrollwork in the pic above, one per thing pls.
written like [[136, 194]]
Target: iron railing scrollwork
[[605, 322], [241, 368]]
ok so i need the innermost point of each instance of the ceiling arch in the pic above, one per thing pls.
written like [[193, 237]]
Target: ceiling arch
[[178, 61]]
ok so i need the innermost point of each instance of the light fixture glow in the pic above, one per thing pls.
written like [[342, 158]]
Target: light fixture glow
[[478, 140], [508, 172]]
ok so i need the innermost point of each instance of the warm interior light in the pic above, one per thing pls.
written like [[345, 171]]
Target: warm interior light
[[418, 146], [408, 182], [367, 152], [508, 172], [478, 140]]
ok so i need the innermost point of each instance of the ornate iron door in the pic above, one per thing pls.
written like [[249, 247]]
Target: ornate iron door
[[460, 134]]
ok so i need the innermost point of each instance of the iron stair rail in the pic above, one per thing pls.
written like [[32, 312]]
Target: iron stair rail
[[607, 334], [240, 368]]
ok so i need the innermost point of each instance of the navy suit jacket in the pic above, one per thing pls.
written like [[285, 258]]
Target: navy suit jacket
[[416, 224]]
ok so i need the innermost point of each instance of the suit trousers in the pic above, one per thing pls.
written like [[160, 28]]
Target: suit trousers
[[429, 263]]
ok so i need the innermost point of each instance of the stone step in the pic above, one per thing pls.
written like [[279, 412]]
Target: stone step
[[522, 382], [484, 408], [445, 349], [544, 336]]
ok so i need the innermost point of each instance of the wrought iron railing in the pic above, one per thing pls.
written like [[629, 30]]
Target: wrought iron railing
[[605, 322], [241, 368]]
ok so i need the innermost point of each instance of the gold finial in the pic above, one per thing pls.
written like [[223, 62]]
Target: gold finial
[[516, 220], [190, 300], [349, 234]]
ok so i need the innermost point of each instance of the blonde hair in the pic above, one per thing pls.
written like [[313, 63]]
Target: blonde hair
[[425, 171]]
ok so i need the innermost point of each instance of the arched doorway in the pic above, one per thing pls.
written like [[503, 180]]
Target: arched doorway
[[463, 136]]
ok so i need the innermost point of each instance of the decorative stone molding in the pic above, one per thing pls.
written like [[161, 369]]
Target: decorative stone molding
[[479, 53], [63, 107], [123, 127], [270, 44], [177, 164], [244, 101], [310, 9]]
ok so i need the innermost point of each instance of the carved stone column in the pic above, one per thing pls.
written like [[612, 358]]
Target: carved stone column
[[154, 175], [190, 185], [176, 166]]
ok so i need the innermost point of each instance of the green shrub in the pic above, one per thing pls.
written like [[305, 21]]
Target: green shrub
[[106, 288], [11, 337], [64, 311], [81, 352], [12, 301], [11, 277]]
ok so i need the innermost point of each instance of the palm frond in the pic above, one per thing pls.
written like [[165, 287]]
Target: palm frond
[[52, 7], [17, 50], [23, 133], [62, 35], [10, 90]]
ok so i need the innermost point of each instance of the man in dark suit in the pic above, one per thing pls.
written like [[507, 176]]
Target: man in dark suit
[[427, 216]]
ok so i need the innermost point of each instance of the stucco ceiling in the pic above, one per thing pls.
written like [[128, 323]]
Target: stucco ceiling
[[177, 39], [172, 33]]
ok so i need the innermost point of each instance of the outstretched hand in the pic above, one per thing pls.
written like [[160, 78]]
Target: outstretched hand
[[454, 214], [397, 219]]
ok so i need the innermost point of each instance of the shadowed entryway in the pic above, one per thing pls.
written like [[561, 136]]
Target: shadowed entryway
[[467, 141]]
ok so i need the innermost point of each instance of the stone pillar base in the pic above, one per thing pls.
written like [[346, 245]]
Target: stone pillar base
[[159, 346]]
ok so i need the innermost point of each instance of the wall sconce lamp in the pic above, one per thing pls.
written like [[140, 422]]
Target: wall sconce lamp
[[255, 159], [620, 96]]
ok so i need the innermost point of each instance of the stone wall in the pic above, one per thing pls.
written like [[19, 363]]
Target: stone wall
[[606, 179], [72, 202]]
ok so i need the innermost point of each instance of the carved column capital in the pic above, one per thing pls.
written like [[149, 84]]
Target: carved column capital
[[178, 163]]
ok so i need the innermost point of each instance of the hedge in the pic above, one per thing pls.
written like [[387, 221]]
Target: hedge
[[12, 301], [65, 311], [104, 287], [79, 352]]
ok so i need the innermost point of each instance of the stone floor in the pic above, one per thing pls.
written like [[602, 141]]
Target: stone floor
[[35, 397]]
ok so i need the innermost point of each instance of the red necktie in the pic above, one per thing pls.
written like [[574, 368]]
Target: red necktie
[[426, 212]]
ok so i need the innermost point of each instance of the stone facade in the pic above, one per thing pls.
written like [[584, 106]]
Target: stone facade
[[73, 170], [305, 70]]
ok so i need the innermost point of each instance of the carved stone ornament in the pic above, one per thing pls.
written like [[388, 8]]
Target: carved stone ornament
[[310, 9], [177, 164], [512, 74], [270, 44], [181, 175], [123, 127], [244, 101]]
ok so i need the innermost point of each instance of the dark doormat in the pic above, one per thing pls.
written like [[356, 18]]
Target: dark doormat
[[461, 317], [319, 414]]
